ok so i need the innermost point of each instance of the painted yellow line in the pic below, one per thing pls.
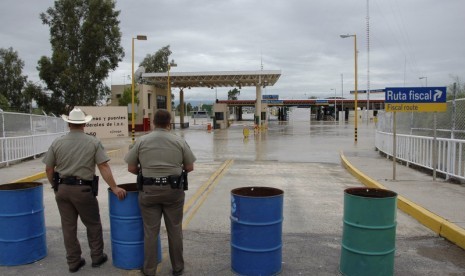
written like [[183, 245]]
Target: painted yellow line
[[205, 195], [204, 186], [31, 178], [41, 175], [439, 225]]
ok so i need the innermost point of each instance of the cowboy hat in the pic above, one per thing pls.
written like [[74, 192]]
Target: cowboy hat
[[77, 116]]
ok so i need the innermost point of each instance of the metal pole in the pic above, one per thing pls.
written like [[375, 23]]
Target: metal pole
[[132, 95], [394, 146], [356, 92], [342, 100], [435, 145], [168, 93]]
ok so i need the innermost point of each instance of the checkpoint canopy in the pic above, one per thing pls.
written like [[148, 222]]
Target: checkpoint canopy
[[215, 79], [259, 78]]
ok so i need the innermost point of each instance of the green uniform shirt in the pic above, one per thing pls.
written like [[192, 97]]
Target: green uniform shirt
[[160, 154], [75, 154]]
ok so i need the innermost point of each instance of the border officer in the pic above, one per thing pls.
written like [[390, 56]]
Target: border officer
[[160, 158], [70, 167]]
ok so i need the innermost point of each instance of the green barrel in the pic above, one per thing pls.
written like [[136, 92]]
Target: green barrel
[[369, 232]]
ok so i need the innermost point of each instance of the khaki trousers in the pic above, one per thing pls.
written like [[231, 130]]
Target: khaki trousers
[[74, 201], [155, 202]]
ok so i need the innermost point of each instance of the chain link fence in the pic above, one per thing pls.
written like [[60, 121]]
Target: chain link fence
[[21, 124], [27, 135], [450, 124]]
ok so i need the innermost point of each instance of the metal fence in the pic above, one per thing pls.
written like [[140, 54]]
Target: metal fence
[[416, 143], [27, 135]]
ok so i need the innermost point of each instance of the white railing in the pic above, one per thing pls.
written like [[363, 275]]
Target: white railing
[[21, 147], [418, 150]]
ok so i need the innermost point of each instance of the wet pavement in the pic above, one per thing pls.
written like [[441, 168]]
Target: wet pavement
[[300, 157]]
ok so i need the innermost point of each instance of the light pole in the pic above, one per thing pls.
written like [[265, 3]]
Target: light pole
[[335, 106], [138, 37], [426, 80], [342, 100], [168, 95], [356, 92]]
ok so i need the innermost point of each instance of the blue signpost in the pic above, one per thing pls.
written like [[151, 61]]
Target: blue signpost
[[415, 99]]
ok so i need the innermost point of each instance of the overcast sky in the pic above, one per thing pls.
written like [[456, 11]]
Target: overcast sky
[[409, 39]]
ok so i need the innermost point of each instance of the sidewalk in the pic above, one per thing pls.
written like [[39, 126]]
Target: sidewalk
[[303, 161], [439, 205]]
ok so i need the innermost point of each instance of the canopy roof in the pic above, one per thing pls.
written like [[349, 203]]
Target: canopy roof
[[215, 79]]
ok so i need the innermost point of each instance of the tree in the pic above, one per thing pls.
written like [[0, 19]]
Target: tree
[[11, 79], [126, 98], [188, 107], [460, 89], [233, 94], [86, 44], [158, 62]]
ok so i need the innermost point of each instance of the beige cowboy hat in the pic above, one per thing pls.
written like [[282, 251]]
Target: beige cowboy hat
[[77, 116]]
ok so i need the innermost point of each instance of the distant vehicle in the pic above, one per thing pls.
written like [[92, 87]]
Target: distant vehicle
[[199, 114]]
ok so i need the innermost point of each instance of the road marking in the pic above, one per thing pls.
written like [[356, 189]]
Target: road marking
[[219, 174]]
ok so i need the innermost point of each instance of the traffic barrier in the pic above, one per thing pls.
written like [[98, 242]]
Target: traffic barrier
[[22, 223], [127, 230], [369, 232], [256, 230]]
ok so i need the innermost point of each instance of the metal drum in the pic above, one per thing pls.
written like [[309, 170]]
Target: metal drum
[[22, 223], [256, 230], [369, 232], [127, 230]]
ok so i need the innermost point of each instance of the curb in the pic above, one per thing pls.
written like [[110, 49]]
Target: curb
[[31, 178], [437, 224]]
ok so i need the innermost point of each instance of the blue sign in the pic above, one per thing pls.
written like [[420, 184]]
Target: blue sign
[[415, 95], [272, 101], [270, 97]]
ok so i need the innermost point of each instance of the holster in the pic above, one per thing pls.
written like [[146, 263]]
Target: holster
[[95, 185], [140, 181], [56, 181], [176, 181], [185, 183]]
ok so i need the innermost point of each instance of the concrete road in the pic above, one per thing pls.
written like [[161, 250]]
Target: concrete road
[[298, 157]]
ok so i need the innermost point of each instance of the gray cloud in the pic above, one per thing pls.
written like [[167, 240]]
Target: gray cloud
[[408, 39]]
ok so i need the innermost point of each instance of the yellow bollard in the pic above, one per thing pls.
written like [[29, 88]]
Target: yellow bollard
[[245, 131]]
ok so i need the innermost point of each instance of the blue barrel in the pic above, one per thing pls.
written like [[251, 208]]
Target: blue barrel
[[22, 223], [127, 230], [369, 232], [256, 230]]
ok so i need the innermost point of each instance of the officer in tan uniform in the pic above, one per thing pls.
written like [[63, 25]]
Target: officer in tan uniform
[[161, 156], [70, 167]]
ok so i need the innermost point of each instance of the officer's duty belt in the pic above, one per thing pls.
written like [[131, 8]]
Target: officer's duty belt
[[159, 181], [72, 180]]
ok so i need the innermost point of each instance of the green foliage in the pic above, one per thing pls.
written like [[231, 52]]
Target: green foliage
[[11, 80], [188, 105], [233, 94], [158, 62], [4, 105], [126, 98], [459, 86], [86, 44]]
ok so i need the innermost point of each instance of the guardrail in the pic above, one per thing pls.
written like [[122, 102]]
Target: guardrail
[[418, 150], [21, 147]]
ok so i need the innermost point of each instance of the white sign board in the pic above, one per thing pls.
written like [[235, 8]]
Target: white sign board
[[107, 121]]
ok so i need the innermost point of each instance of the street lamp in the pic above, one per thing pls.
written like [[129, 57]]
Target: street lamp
[[168, 95], [139, 37], [426, 80], [356, 92], [335, 106]]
